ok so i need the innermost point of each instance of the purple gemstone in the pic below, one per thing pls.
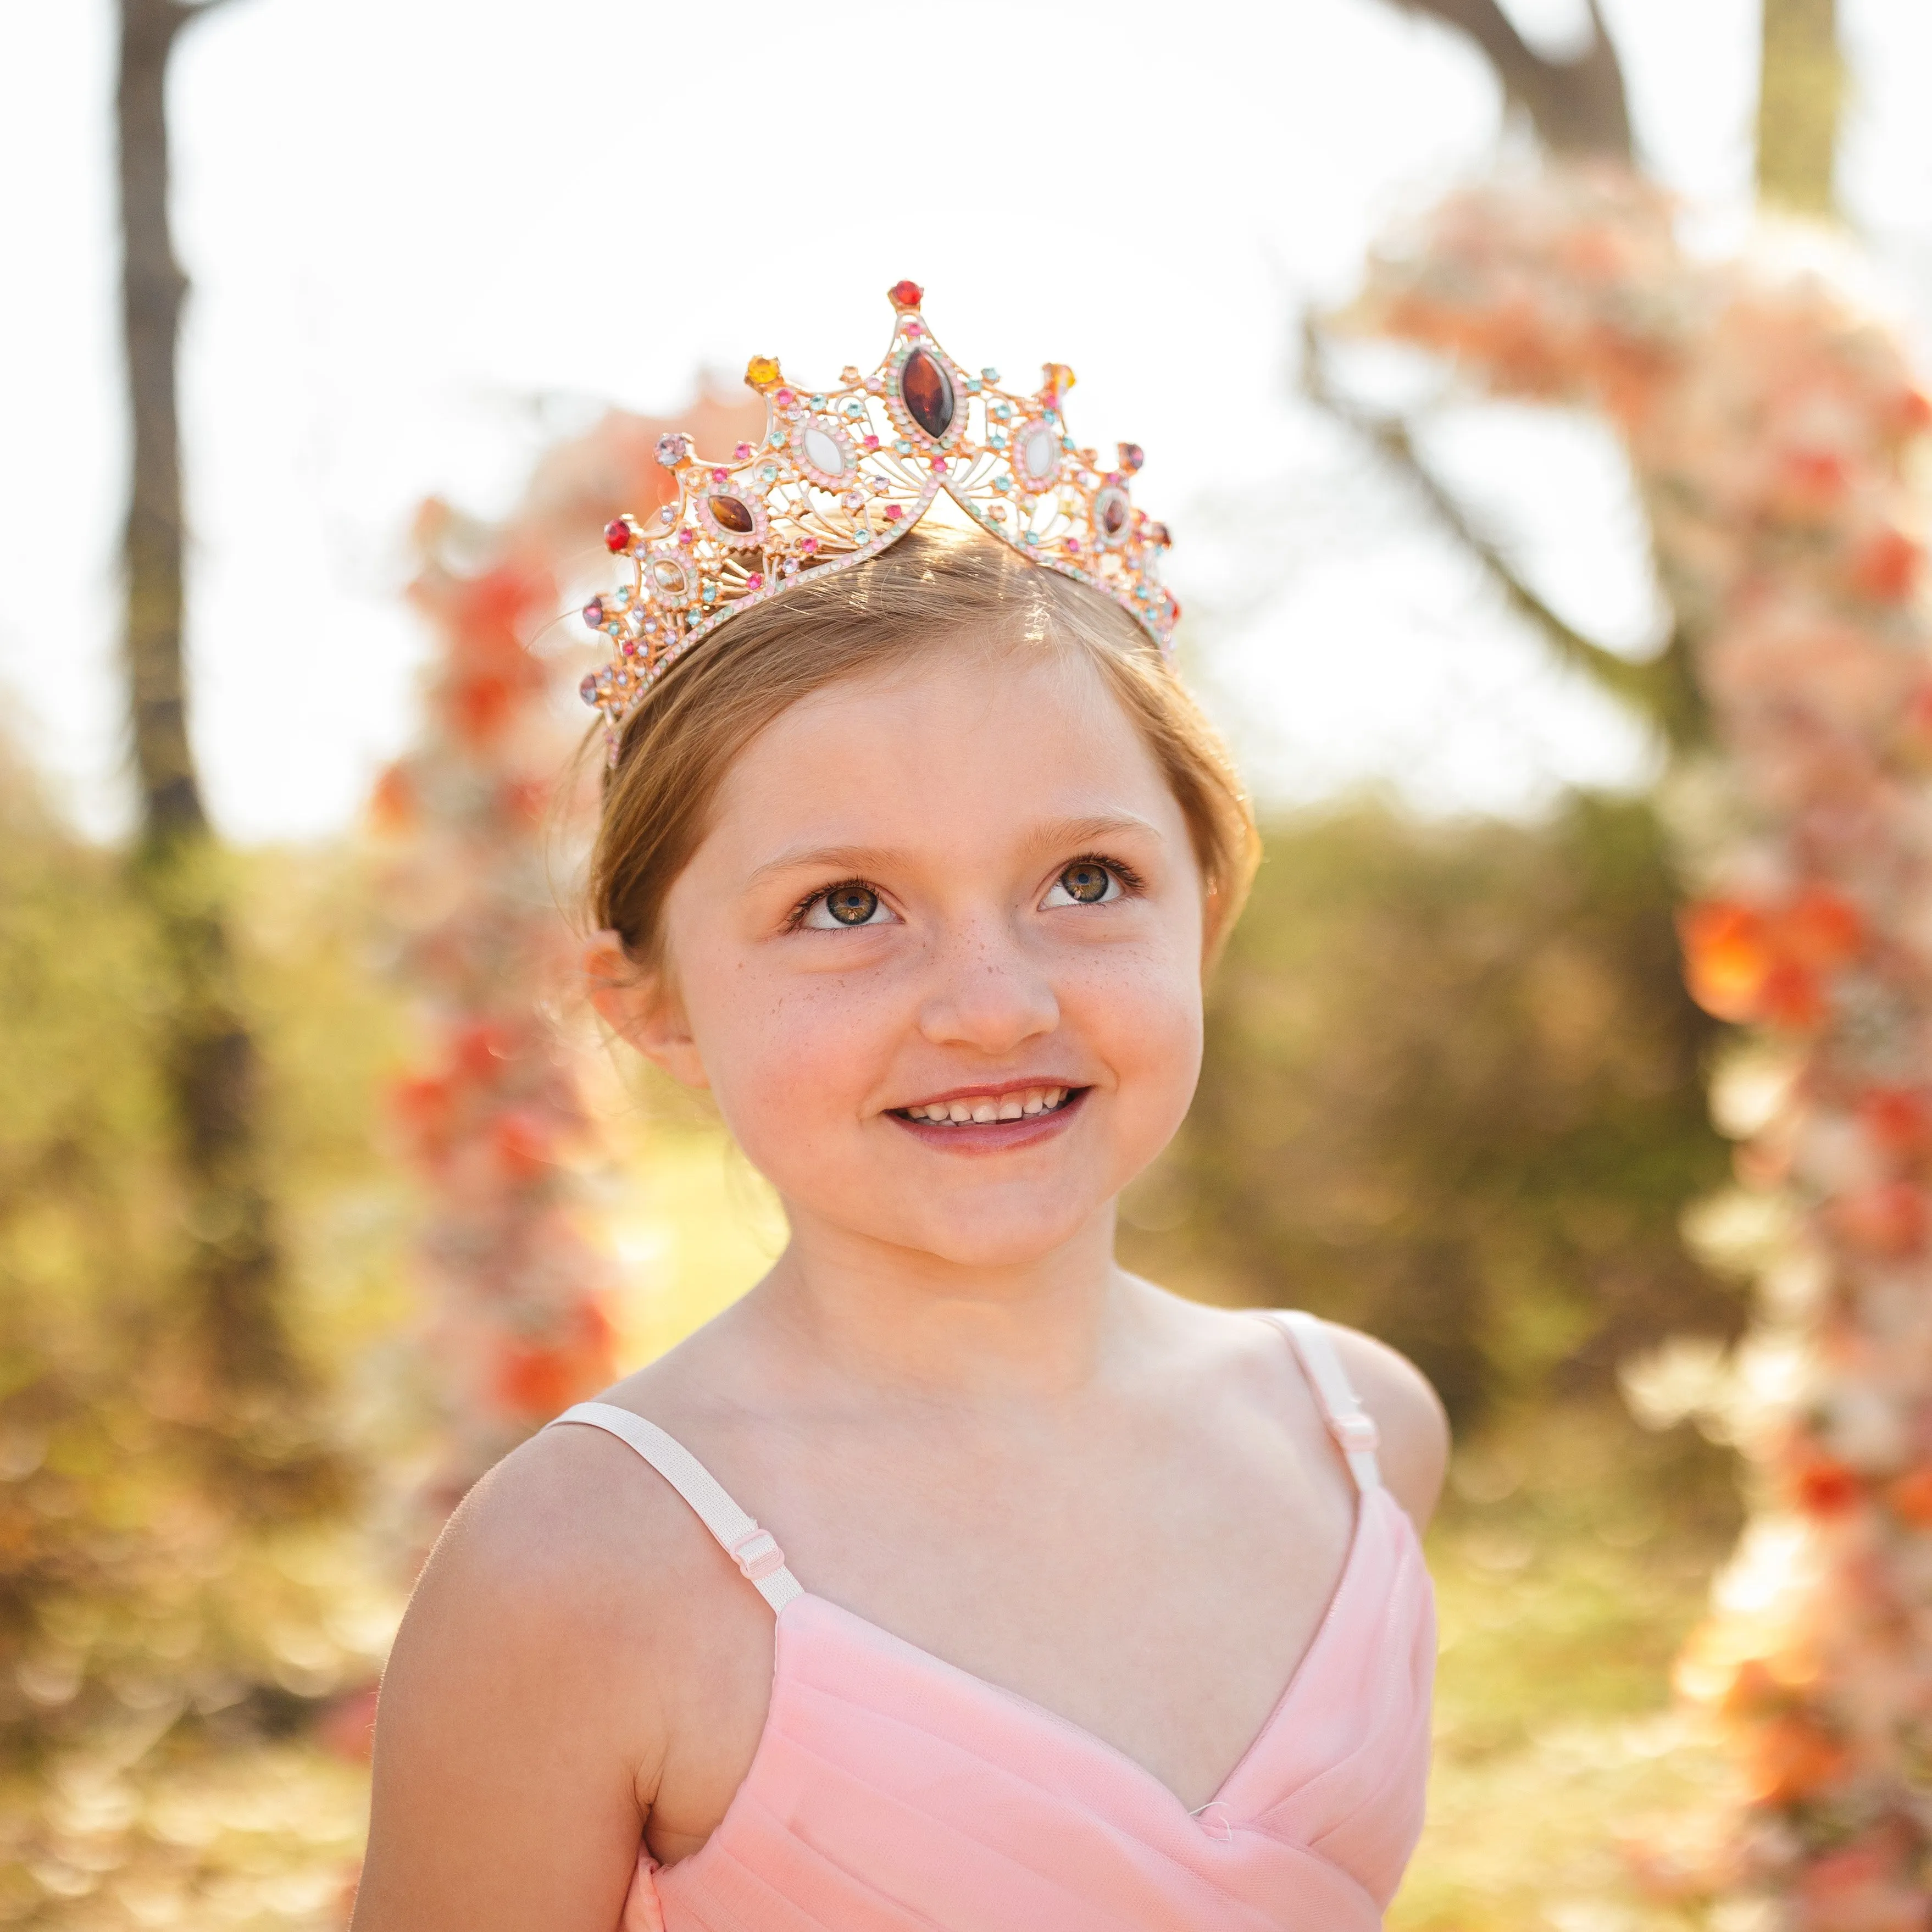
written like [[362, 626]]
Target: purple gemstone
[[593, 613], [587, 690]]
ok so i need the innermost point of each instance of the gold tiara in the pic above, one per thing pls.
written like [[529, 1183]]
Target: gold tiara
[[844, 473]]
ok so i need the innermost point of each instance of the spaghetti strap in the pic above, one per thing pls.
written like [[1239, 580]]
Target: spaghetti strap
[[1352, 1427], [755, 1551]]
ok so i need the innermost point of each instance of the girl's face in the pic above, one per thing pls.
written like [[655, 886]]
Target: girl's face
[[939, 958]]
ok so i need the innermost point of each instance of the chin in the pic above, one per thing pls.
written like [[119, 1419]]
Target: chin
[[989, 1238]]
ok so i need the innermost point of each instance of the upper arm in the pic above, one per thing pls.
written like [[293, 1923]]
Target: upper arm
[[1409, 1418], [510, 1740]]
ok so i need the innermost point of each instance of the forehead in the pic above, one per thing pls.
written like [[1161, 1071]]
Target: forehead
[[959, 749]]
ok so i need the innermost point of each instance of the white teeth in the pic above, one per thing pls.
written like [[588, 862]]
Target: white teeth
[[1022, 1106]]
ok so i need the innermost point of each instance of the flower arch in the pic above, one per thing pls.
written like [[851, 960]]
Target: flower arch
[[1772, 426], [481, 824]]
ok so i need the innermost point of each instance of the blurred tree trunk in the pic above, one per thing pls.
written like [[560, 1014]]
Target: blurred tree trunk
[[233, 1271], [1800, 90], [1577, 107]]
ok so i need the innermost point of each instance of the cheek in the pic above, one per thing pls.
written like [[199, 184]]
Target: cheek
[[787, 1057], [1141, 1013]]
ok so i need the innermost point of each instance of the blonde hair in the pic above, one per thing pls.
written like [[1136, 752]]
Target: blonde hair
[[934, 584]]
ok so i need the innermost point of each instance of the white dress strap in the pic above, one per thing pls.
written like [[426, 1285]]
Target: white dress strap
[[1352, 1427], [755, 1551]]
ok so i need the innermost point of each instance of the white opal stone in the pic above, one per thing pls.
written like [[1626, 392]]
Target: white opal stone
[[1040, 453], [823, 452]]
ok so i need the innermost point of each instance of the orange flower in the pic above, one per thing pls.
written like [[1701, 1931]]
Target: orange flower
[[1824, 1487], [1744, 963], [537, 1379], [1911, 1497], [1885, 567], [1789, 1758], [1889, 1219], [1897, 1119]]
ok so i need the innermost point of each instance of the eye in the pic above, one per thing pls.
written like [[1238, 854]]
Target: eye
[[1085, 882], [850, 905]]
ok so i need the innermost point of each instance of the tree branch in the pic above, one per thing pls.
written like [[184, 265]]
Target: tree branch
[[1659, 689], [1579, 106]]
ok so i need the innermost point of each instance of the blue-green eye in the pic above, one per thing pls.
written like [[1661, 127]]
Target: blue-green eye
[[847, 905], [1085, 882]]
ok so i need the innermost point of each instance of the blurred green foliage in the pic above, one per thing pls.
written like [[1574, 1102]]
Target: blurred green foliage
[[157, 1608], [1452, 1095]]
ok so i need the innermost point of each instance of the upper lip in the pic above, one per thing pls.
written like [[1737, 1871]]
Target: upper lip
[[992, 1090]]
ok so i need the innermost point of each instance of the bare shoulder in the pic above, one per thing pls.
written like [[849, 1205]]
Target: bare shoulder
[[542, 1631], [1408, 1415], [567, 1548]]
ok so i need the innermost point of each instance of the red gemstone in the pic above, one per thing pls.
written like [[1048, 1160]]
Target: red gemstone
[[927, 392], [905, 295], [617, 534]]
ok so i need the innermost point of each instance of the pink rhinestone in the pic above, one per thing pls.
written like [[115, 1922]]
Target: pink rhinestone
[[684, 538], [1072, 543], [742, 452], [871, 442], [914, 328], [807, 544], [893, 513], [784, 399], [721, 476], [939, 465], [629, 649], [756, 581]]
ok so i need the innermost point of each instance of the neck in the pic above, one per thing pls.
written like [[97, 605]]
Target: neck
[[895, 1321]]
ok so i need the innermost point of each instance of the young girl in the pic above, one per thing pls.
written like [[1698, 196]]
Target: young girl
[[1077, 1606]]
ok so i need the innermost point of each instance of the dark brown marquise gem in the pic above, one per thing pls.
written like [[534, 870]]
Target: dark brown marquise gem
[[733, 512], [1114, 515], [926, 390]]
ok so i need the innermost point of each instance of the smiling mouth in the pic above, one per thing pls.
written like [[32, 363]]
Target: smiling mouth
[[980, 1110]]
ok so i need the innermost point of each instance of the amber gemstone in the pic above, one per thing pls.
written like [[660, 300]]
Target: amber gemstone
[[617, 536], [905, 295], [733, 512], [927, 391], [762, 372]]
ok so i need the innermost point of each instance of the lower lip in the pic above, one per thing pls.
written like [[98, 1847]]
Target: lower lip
[[995, 1136]]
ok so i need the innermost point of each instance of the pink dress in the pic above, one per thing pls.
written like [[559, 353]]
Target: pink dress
[[892, 1792]]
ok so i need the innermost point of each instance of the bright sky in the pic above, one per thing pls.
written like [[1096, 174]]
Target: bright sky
[[426, 236]]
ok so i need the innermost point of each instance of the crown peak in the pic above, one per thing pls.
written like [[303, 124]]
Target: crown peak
[[839, 475]]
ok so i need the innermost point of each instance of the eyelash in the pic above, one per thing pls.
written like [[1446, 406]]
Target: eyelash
[[796, 917], [1131, 881]]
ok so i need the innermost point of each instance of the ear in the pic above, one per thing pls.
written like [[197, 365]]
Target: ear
[[642, 1004]]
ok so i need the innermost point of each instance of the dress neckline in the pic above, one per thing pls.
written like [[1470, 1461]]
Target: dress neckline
[[1137, 1774]]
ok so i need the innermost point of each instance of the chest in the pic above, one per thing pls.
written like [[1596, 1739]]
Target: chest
[[1155, 1586]]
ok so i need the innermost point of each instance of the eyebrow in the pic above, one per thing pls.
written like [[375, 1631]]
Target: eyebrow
[[1055, 834]]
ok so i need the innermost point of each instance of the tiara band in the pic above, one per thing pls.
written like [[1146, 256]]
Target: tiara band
[[841, 475]]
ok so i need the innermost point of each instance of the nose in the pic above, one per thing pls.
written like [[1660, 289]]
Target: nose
[[986, 994]]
